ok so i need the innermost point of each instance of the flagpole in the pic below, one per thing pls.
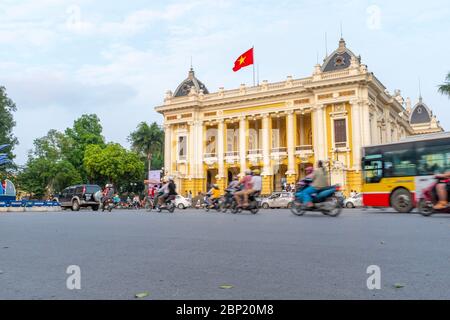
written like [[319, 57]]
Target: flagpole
[[253, 65]]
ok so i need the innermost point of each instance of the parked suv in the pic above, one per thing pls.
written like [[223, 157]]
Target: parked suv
[[78, 196]]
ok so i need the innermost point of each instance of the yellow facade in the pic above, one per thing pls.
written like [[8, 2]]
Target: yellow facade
[[280, 128]]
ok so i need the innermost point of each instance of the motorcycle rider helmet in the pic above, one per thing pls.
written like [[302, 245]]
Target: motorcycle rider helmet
[[257, 172], [248, 172], [215, 186], [171, 179]]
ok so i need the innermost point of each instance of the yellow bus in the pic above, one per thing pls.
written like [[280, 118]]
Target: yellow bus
[[395, 174]]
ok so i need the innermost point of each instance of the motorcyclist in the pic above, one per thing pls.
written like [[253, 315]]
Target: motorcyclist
[[246, 181], [234, 184], [442, 191], [108, 193], [302, 184], [214, 194], [169, 190], [163, 192], [256, 182], [319, 181]]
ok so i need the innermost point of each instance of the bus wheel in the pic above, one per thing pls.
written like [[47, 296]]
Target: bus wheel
[[401, 201]]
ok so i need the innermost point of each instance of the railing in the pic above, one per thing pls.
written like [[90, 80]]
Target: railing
[[248, 90], [306, 147], [340, 145], [232, 154], [279, 150], [334, 75], [254, 151], [210, 155]]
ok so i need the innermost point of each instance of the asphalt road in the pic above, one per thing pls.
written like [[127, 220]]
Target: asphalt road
[[190, 254]]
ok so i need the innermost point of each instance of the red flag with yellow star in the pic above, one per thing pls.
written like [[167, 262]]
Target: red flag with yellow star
[[244, 60]]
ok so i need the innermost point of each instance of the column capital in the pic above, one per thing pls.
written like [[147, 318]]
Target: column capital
[[167, 126], [289, 112], [265, 115], [242, 118], [318, 107], [356, 101]]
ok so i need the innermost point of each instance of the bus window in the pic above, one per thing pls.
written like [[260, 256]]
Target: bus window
[[373, 170], [399, 163], [433, 160]]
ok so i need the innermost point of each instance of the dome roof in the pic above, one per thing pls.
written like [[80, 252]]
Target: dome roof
[[339, 59], [420, 113], [190, 82]]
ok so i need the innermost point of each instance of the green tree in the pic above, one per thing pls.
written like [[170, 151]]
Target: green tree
[[7, 123], [86, 131], [113, 163], [148, 142], [47, 171], [445, 87]]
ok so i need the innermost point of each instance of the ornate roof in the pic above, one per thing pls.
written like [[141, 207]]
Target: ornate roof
[[339, 59], [190, 82], [420, 113]]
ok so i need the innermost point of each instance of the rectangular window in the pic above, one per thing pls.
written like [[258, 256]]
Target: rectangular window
[[340, 133], [399, 163], [373, 168], [182, 147], [432, 160]]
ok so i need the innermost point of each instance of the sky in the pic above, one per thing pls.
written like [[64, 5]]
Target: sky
[[60, 59]]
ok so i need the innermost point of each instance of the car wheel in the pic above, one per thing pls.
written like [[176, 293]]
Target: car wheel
[[349, 205], [181, 206], [95, 208], [75, 206], [265, 205], [401, 201], [289, 205]]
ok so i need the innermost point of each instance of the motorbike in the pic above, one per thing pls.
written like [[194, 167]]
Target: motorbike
[[169, 205], [253, 205], [228, 200], [211, 204], [429, 198], [108, 204], [327, 200]]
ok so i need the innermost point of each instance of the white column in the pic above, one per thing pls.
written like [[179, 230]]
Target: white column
[[356, 128], [243, 137], [266, 144], [167, 149], [366, 129], [319, 133], [290, 133], [199, 149], [191, 150], [220, 148]]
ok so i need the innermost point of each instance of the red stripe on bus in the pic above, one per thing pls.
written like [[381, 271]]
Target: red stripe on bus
[[381, 199], [376, 199]]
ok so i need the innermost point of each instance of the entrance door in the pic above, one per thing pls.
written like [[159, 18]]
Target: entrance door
[[279, 177], [211, 178]]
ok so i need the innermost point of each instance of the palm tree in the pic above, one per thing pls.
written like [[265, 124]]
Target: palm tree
[[147, 140], [445, 88]]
